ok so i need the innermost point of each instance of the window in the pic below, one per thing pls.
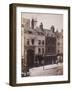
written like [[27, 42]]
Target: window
[[39, 50], [32, 41], [58, 43], [42, 50], [58, 37], [58, 51], [39, 42], [30, 32], [43, 42], [28, 42]]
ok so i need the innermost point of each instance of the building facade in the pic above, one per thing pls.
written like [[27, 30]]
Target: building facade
[[50, 46], [59, 44], [39, 46], [34, 45]]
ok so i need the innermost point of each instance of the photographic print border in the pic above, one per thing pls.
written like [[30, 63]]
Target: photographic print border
[[13, 33]]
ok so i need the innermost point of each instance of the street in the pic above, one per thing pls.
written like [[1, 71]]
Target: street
[[47, 70]]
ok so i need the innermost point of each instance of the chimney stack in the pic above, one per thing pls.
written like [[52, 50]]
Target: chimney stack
[[41, 26], [32, 23], [52, 28]]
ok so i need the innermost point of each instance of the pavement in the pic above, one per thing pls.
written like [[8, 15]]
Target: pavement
[[47, 70]]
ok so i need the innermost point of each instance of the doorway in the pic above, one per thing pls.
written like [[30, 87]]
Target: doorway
[[30, 58]]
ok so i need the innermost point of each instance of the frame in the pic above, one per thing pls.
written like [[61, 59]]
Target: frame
[[39, 44]]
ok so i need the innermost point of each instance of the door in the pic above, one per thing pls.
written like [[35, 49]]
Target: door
[[30, 58]]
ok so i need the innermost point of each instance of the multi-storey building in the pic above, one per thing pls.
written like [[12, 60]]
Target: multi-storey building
[[59, 44], [50, 46], [34, 40], [33, 47], [39, 46]]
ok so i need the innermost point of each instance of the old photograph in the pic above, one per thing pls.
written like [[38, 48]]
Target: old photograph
[[41, 44]]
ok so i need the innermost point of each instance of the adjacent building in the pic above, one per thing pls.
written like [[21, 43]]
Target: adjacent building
[[59, 45], [50, 46]]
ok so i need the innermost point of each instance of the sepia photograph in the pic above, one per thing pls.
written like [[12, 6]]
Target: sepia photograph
[[41, 44]]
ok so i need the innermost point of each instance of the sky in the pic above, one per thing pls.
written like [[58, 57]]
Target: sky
[[47, 19]]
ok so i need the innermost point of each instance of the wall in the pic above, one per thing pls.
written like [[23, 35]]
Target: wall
[[4, 45]]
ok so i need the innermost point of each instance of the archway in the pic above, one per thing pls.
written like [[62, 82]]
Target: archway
[[30, 58]]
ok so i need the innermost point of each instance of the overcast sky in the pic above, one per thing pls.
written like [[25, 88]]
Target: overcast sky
[[46, 19]]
